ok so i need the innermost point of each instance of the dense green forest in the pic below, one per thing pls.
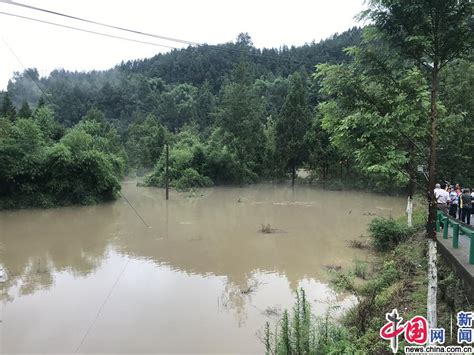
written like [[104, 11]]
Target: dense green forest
[[348, 108]]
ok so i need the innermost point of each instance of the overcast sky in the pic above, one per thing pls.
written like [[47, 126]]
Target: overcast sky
[[271, 23]]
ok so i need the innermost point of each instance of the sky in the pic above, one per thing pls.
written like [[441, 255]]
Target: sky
[[270, 23]]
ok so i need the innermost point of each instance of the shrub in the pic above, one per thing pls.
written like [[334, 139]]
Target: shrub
[[191, 178], [387, 233], [37, 170]]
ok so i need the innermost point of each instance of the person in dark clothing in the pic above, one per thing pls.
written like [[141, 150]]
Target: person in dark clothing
[[465, 204]]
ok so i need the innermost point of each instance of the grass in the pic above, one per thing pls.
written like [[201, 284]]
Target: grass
[[360, 269]]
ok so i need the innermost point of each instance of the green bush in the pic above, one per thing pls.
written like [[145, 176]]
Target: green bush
[[83, 167], [387, 233], [191, 178]]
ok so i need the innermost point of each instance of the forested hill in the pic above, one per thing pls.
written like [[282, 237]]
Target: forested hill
[[196, 65], [169, 82]]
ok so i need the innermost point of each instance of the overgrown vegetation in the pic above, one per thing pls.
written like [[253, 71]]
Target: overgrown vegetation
[[300, 332], [398, 280], [387, 233], [44, 165]]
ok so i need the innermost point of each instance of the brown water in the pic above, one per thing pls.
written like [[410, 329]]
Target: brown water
[[201, 278]]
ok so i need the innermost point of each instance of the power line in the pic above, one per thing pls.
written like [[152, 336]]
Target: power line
[[172, 39], [134, 209], [99, 311], [84, 30], [100, 23], [25, 70]]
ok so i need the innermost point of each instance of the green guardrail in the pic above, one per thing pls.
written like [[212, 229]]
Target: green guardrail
[[457, 228]]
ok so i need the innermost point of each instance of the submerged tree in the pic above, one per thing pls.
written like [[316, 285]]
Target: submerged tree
[[291, 127], [240, 115]]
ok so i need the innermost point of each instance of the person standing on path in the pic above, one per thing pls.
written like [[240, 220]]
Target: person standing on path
[[442, 197], [459, 193], [465, 203], [454, 203]]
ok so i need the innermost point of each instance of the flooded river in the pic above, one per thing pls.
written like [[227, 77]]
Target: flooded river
[[196, 275]]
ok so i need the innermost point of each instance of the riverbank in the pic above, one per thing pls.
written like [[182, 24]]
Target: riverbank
[[397, 280]]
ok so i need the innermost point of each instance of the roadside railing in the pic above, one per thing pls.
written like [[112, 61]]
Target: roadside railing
[[457, 228]]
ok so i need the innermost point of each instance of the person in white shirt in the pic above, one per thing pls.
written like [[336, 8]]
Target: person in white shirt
[[442, 197]]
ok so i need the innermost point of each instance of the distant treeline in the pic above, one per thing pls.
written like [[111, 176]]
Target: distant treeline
[[345, 108]]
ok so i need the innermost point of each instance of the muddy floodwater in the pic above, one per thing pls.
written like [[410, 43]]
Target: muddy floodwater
[[201, 277]]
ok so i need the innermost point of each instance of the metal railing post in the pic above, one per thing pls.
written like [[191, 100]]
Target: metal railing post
[[445, 227], [455, 235], [471, 249]]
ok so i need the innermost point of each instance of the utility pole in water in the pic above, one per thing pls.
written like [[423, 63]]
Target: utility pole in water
[[166, 174]]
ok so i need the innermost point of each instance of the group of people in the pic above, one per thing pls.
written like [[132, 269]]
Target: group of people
[[458, 202]]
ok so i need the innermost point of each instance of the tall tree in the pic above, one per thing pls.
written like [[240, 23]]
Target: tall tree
[[7, 109], [292, 125], [322, 152], [433, 33], [455, 157], [374, 110], [25, 111], [145, 141], [240, 115]]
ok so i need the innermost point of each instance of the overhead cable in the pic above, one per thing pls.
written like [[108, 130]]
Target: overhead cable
[[167, 38], [87, 31]]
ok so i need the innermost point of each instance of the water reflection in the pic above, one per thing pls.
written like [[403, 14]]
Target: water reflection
[[202, 271]]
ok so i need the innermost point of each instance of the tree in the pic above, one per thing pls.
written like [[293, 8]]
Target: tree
[[291, 127], [374, 112], [240, 115], [186, 163], [44, 118], [7, 110], [433, 33], [41, 102], [24, 86], [25, 111], [205, 103], [455, 158], [179, 106], [145, 141], [322, 153]]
